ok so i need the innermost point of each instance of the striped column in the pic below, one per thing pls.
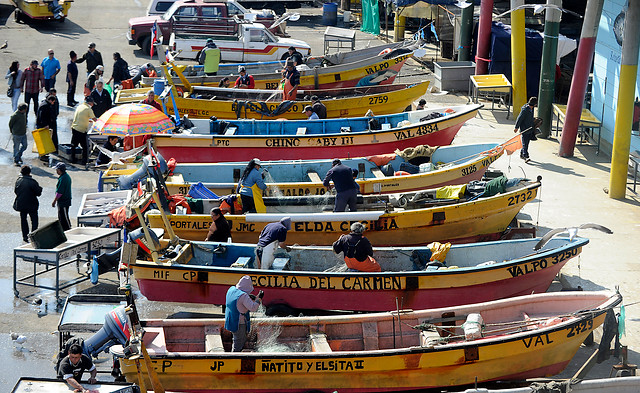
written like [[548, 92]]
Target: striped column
[[518, 58], [548, 68], [580, 78], [484, 37], [624, 109]]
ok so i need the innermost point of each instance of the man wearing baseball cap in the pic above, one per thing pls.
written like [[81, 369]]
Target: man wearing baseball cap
[[81, 118], [32, 84], [63, 195], [92, 57]]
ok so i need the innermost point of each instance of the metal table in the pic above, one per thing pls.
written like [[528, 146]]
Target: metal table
[[339, 37], [494, 85], [80, 245], [50, 385], [587, 120]]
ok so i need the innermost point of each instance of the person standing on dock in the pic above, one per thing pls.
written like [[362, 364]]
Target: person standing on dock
[[27, 191], [50, 67], [92, 57], [345, 185], [219, 231], [357, 249], [18, 130], [63, 196], [273, 235], [524, 124], [250, 182], [237, 314], [74, 365]]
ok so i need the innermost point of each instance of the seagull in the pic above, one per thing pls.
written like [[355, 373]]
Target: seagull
[[538, 8], [117, 157], [462, 4], [573, 232], [18, 338], [5, 45]]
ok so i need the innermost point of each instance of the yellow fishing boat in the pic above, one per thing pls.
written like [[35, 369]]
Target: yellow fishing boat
[[458, 220], [41, 9], [517, 338], [202, 102]]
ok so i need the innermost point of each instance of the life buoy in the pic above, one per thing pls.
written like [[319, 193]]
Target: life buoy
[[384, 52]]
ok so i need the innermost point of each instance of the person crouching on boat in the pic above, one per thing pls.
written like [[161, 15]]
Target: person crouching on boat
[[345, 185], [358, 253], [250, 184], [239, 303], [273, 235]]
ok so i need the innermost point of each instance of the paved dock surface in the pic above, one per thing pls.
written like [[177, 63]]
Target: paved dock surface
[[572, 191]]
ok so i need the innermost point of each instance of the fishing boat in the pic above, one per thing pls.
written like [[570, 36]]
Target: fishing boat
[[442, 219], [447, 165], [364, 67], [516, 338], [242, 140], [202, 102], [315, 278], [601, 385], [41, 10]]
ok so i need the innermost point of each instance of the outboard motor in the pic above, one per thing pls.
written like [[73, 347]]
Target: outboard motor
[[114, 331], [56, 9], [108, 261], [127, 182]]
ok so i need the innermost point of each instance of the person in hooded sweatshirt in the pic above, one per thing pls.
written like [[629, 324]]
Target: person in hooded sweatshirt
[[237, 315]]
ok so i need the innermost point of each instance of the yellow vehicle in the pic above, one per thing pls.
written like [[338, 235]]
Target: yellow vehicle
[[41, 9]]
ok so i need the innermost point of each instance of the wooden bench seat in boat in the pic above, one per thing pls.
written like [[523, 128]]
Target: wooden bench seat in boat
[[241, 262], [313, 175], [319, 343], [231, 130], [280, 263], [301, 131], [377, 173], [213, 339]]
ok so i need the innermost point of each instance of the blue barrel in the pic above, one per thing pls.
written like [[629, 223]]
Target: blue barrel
[[330, 14], [159, 85]]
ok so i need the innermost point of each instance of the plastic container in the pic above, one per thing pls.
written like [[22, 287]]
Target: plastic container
[[159, 85], [199, 191], [43, 141], [473, 326], [346, 16], [48, 237], [330, 14]]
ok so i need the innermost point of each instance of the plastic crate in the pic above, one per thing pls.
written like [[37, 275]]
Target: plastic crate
[[43, 141], [199, 191], [48, 237]]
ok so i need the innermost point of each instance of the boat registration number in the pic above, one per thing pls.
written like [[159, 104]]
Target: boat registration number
[[519, 198]]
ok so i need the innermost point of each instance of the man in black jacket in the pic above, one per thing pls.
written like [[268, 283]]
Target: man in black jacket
[[27, 192], [47, 117], [92, 57], [101, 98], [345, 185]]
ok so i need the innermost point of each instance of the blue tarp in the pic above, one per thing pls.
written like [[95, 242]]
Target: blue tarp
[[501, 54]]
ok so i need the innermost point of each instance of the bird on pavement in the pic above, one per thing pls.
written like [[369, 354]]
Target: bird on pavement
[[538, 8], [5, 45], [18, 338], [572, 231], [117, 157]]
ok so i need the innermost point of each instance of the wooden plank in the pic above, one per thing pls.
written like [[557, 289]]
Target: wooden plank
[[370, 336], [377, 173], [313, 175], [213, 339], [319, 342], [301, 131], [231, 130]]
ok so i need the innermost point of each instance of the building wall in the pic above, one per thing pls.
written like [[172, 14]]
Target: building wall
[[606, 74]]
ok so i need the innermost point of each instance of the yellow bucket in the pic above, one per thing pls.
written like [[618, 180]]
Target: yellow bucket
[[43, 141]]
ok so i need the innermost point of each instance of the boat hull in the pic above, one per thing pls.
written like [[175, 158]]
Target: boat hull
[[478, 220], [224, 148], [360, 291], [542, 351]]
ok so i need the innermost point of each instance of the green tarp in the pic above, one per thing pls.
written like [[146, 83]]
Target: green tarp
[[370, 17]]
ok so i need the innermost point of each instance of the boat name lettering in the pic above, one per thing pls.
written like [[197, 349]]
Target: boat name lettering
[[469, 170], [580, 327], [166, 364], [355, 283], [344, 226], [272, 366], [296, 191], [245, 227], [282, 142], [487, 161], [542, 339], [222, 142], [528, 268], [372, 283], [525, 196], [162, 274], [271, 86], [217, 365], [194, 112], [275, 281], [378, 100], [377, 67], [190, 224]]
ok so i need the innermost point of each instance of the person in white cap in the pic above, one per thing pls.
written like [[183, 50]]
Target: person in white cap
[[250, 177], [93, 77], [244, 81], [273, 235], [238, 304], [92, 57], [101, 98]]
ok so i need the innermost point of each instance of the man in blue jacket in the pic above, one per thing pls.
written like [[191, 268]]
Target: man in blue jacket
[[524, 124], [237, 315], [345, 185]]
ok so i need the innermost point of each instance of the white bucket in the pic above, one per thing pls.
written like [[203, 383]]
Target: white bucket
[[346, 15]]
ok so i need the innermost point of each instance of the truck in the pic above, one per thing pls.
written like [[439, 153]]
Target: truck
[[216, 12], [251, 42], [159, 7]]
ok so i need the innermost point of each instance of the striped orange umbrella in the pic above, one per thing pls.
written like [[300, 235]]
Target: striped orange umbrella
[[133, 119]]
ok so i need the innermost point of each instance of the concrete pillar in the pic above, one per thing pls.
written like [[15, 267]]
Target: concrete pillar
[[466, 31], [548, 68], [580, 78], [484, 36], [624, 109], [518, 58]]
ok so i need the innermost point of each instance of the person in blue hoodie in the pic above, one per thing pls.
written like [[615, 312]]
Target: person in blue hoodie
[[250, 176], [237, 315]]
